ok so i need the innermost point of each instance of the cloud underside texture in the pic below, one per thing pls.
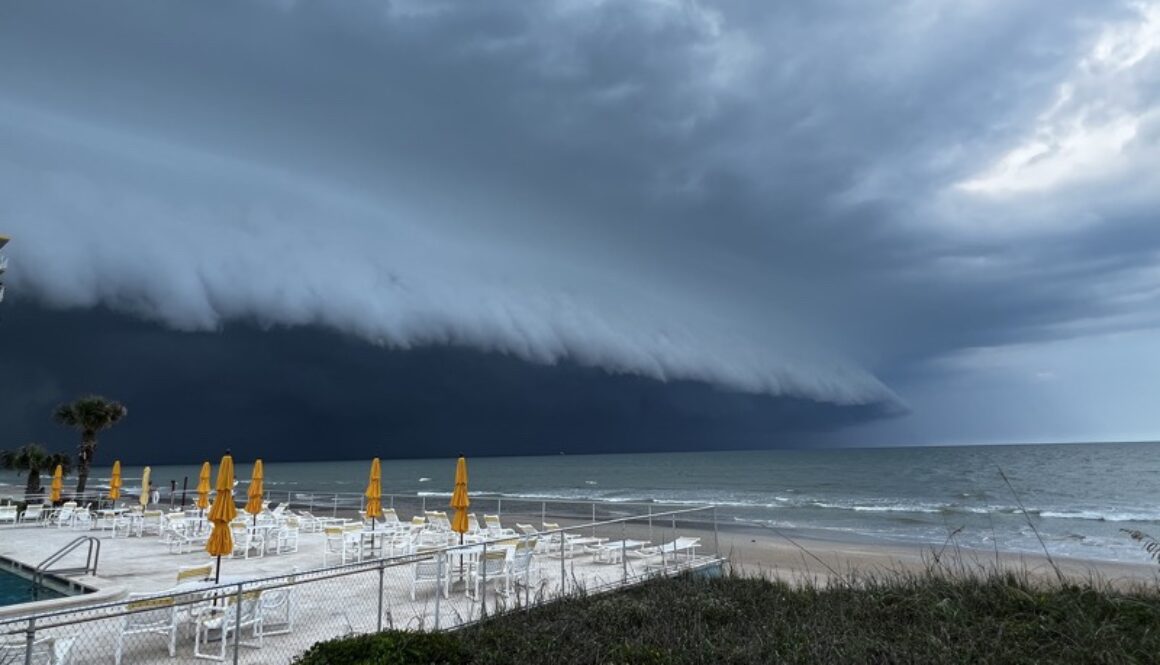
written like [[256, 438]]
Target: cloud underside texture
[[789, 200]]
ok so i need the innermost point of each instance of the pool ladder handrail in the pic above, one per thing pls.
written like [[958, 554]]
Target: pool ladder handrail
[[92, 556]]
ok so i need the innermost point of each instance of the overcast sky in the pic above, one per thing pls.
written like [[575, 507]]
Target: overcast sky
[[790, 223]]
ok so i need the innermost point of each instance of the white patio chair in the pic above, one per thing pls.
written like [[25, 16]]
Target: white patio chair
[[287, 538], [521, 568], [339, 543], [496, 564], [221, 622], [148, 614], [83, 519], [431, 570], [277, 608], [8, 514], [150, 523], [247, 541], [125, 524], [45, 651]]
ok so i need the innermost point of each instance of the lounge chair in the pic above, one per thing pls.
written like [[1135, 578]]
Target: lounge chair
[[391, 519], [495, 529], [199, 573], [221, 622], [614, 552], [182, 537], [670, 552], [45, 651], [33, 513], [8, 514], [64, 516], [148, 614]]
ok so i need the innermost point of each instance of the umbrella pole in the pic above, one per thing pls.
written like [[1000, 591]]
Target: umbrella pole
[[217, 574]]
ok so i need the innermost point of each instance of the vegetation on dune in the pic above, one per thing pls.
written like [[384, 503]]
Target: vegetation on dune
[[928, 618], [89, 415], [33, 459]]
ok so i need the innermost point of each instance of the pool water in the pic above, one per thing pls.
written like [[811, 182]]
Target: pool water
[[15, 589]]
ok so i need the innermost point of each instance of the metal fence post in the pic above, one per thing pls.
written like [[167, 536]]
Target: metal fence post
[[543, 512], [380, 595], [483, 582], [438, 585], [716, 536], [424, 502], [623, 553], [334, 511], [563, 572], [237, 624], [650, 533], [593, 519], [29, 639], [499, 507]]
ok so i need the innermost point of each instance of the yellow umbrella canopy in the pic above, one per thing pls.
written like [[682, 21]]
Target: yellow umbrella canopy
[[374, 491], [220, 541], [459, 500], [145, 487], [203, 486], [115, 481], [57, 483], [254, 495]]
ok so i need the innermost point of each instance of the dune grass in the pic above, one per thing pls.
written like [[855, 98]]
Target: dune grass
[[898, 618]]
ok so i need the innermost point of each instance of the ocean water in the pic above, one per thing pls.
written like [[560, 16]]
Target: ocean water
[[1079, 496]]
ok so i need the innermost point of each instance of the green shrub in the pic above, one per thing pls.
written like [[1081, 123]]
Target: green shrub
[[391, 648], [925, 618]]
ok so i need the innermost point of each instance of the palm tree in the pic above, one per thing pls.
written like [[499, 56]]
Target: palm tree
[[90, 415], [34, 459]]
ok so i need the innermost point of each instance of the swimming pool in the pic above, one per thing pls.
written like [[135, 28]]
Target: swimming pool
[[16, 588]]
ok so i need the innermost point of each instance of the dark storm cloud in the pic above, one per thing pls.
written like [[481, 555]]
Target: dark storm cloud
[[307, 393], [781, 198]]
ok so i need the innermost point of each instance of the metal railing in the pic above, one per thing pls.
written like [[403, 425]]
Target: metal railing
[[276, 617], [92, 557]]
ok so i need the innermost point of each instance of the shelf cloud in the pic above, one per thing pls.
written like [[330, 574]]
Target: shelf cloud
[[781, 200]]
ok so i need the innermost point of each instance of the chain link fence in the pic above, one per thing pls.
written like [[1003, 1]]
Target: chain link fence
[[407, 577]]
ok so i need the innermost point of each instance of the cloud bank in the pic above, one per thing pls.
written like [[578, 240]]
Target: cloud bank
[[808, 201]]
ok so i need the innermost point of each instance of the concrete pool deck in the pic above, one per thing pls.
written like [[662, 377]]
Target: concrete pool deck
[[327, 603]]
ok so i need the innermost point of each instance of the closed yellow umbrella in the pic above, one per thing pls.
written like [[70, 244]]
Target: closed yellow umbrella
[[459, 500], [223, 511], [57, 483], [145, 487], [374, 492], [115, 482], [254, 495], [203, 487]]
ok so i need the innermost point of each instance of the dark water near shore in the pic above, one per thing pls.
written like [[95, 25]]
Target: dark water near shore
[[1079, 496]]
